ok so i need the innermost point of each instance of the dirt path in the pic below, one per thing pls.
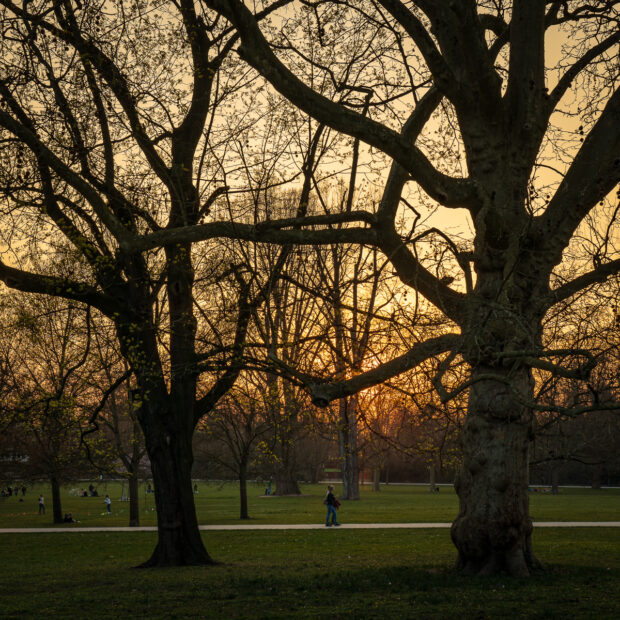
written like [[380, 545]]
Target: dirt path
[[294, 526]]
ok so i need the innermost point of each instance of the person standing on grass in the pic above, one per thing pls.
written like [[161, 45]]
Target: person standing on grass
[[332, 505], [108, 502], [41, 504]]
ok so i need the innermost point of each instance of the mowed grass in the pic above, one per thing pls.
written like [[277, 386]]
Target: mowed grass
[[218, 503], [326, 573]]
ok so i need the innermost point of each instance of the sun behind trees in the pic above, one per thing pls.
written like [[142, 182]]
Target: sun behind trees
[[482, 66], [141, 131]]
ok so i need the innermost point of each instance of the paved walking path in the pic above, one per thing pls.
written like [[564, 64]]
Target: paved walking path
[[296, 526]]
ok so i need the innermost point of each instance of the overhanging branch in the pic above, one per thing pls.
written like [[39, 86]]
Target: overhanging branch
[[267, 232], [323, 393], [600, 274], [29, 282], [256, 52]]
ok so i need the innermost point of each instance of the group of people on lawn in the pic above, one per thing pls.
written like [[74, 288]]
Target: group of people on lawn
[[331, 518], [9, 491], [68, 518]]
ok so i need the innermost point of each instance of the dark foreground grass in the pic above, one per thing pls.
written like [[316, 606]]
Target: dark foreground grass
[[304, 574]]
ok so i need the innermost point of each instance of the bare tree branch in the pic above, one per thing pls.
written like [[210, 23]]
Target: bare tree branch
[[59, 287], [255, 51], [594, 172], [600, 274], [323, 393]]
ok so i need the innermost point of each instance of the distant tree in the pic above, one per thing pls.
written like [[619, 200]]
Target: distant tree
[[563, 437], [45, 420], [239, 423], [348, 280], [115, 416]]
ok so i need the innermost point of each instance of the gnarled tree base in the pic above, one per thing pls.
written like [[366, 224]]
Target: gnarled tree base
[[496, 547], [287, 486], [167, 555], [515, 562], [492, 532]]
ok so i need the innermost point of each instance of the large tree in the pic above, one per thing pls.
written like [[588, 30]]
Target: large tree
[[113, 124], [537, 135]]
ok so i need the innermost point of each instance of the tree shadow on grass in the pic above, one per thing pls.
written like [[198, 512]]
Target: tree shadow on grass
[[429, 592]]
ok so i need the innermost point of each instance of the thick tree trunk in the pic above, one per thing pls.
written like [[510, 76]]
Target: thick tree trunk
[[243, 492], [347, 447], [493, 529], [56, 501], [134, 499], [179, 541], [286, 483]]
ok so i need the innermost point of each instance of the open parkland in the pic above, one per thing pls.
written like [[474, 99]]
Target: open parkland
[[393, 558]]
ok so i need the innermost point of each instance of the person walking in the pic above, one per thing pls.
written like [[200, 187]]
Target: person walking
[[108, 502], [41, 504], [332, 505]]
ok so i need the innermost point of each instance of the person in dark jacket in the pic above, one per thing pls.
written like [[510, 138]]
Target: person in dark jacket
[[332, 504]]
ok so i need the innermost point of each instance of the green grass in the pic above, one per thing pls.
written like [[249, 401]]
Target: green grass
[[304, 574], [326, 573], [218, 503]]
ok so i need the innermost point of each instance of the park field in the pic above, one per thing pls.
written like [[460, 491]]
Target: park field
[[327, 573], [218, 504], [330, 573]]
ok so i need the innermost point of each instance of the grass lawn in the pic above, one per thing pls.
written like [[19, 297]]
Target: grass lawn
[[218, 503], [326, 573], [304, 574]]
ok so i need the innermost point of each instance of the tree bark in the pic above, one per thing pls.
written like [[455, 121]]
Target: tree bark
[[286, 483], [347, 447], [243, 492], [134, 499], [56, 501], [179, 541], [492, 532]]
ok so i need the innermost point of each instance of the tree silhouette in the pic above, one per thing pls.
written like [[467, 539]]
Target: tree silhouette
[[483, 67]]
